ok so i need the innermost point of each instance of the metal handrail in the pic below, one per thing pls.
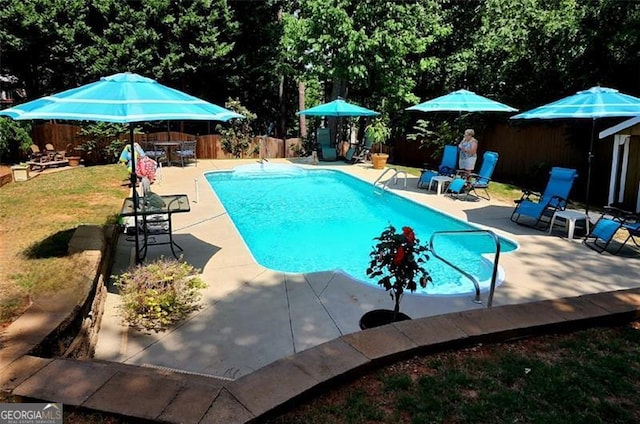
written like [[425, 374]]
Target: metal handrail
[[394, 177], [466, 274], [375, 183]]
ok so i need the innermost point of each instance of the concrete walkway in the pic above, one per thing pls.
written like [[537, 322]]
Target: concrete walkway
[[254, 316], [226, 362]]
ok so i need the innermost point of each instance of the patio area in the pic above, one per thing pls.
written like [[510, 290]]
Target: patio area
[[253, 316]]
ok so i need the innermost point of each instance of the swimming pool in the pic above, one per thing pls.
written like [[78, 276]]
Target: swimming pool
[[299, 221]]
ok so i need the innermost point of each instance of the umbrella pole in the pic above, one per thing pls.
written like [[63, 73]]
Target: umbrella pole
[[134, 193], [589, 160]]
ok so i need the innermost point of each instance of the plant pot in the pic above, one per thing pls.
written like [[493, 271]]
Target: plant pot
[[379, 317], [20, 172], [379, 160], [74, 160]]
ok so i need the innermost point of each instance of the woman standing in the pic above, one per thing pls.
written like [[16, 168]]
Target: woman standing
[[468, 147]]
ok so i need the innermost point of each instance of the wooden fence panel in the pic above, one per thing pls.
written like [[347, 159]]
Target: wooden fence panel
[[411, 154], [524, 151], [288, 144], [60, 135], [526, 154], [521, 150], [207, 146]]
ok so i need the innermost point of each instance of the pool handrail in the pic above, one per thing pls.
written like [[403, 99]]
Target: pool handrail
[[473, 279], [394, 177]]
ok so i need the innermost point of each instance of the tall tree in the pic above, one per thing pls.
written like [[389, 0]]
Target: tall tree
[[520, 51], [610, 36], [39, 40], [182, 44], [255, 63], [371, 51], [54, 44]]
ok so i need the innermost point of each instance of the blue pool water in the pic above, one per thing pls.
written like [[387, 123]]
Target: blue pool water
[[296, 220]]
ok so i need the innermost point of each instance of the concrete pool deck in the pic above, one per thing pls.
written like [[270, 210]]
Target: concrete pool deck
[[264, 339], [254, 316]]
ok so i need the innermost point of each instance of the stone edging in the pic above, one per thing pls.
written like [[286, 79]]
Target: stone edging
[[38, 329]]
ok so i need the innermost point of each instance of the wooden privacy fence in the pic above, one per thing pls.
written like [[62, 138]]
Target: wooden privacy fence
[[66, 137], [526, 152], [520, 149]]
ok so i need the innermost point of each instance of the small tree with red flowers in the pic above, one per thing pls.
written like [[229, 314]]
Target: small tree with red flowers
[[398, 258]]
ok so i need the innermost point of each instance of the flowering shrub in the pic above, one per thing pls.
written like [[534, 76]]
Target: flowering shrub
[[156, 295], [398, 258]]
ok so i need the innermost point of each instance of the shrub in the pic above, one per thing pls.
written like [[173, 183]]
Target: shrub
[[159, 294], [103, 141], [305, 148], [14, 134], [237, 134]]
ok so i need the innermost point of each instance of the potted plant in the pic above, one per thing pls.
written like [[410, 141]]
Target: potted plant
[[397, 260], [377, 133]]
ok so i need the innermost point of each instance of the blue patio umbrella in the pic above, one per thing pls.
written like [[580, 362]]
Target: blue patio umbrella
[[594, 103], [338, 108], [462, 101], [121, 98]]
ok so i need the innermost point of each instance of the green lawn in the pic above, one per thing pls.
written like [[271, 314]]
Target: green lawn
[[591, 376], [498, 190], [37, 219]]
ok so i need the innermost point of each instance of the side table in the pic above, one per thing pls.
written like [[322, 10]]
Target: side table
[[570, 217], [440, 181]]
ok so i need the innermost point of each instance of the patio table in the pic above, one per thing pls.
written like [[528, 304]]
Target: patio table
[[156, 221], [570, 217], [169, 146], [440, 181]]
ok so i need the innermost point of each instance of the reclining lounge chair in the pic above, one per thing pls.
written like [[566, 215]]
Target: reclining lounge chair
[[327, 153], [447, 166], [554, 197], [480, 180], [610, 222]]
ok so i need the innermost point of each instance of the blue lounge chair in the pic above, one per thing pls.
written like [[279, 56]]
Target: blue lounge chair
[[327, 153], [480, 180], [554, 198], [612, 220], [447, 166]]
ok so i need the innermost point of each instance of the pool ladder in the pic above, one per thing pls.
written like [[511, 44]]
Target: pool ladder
[[473, 279], [383, 184]]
